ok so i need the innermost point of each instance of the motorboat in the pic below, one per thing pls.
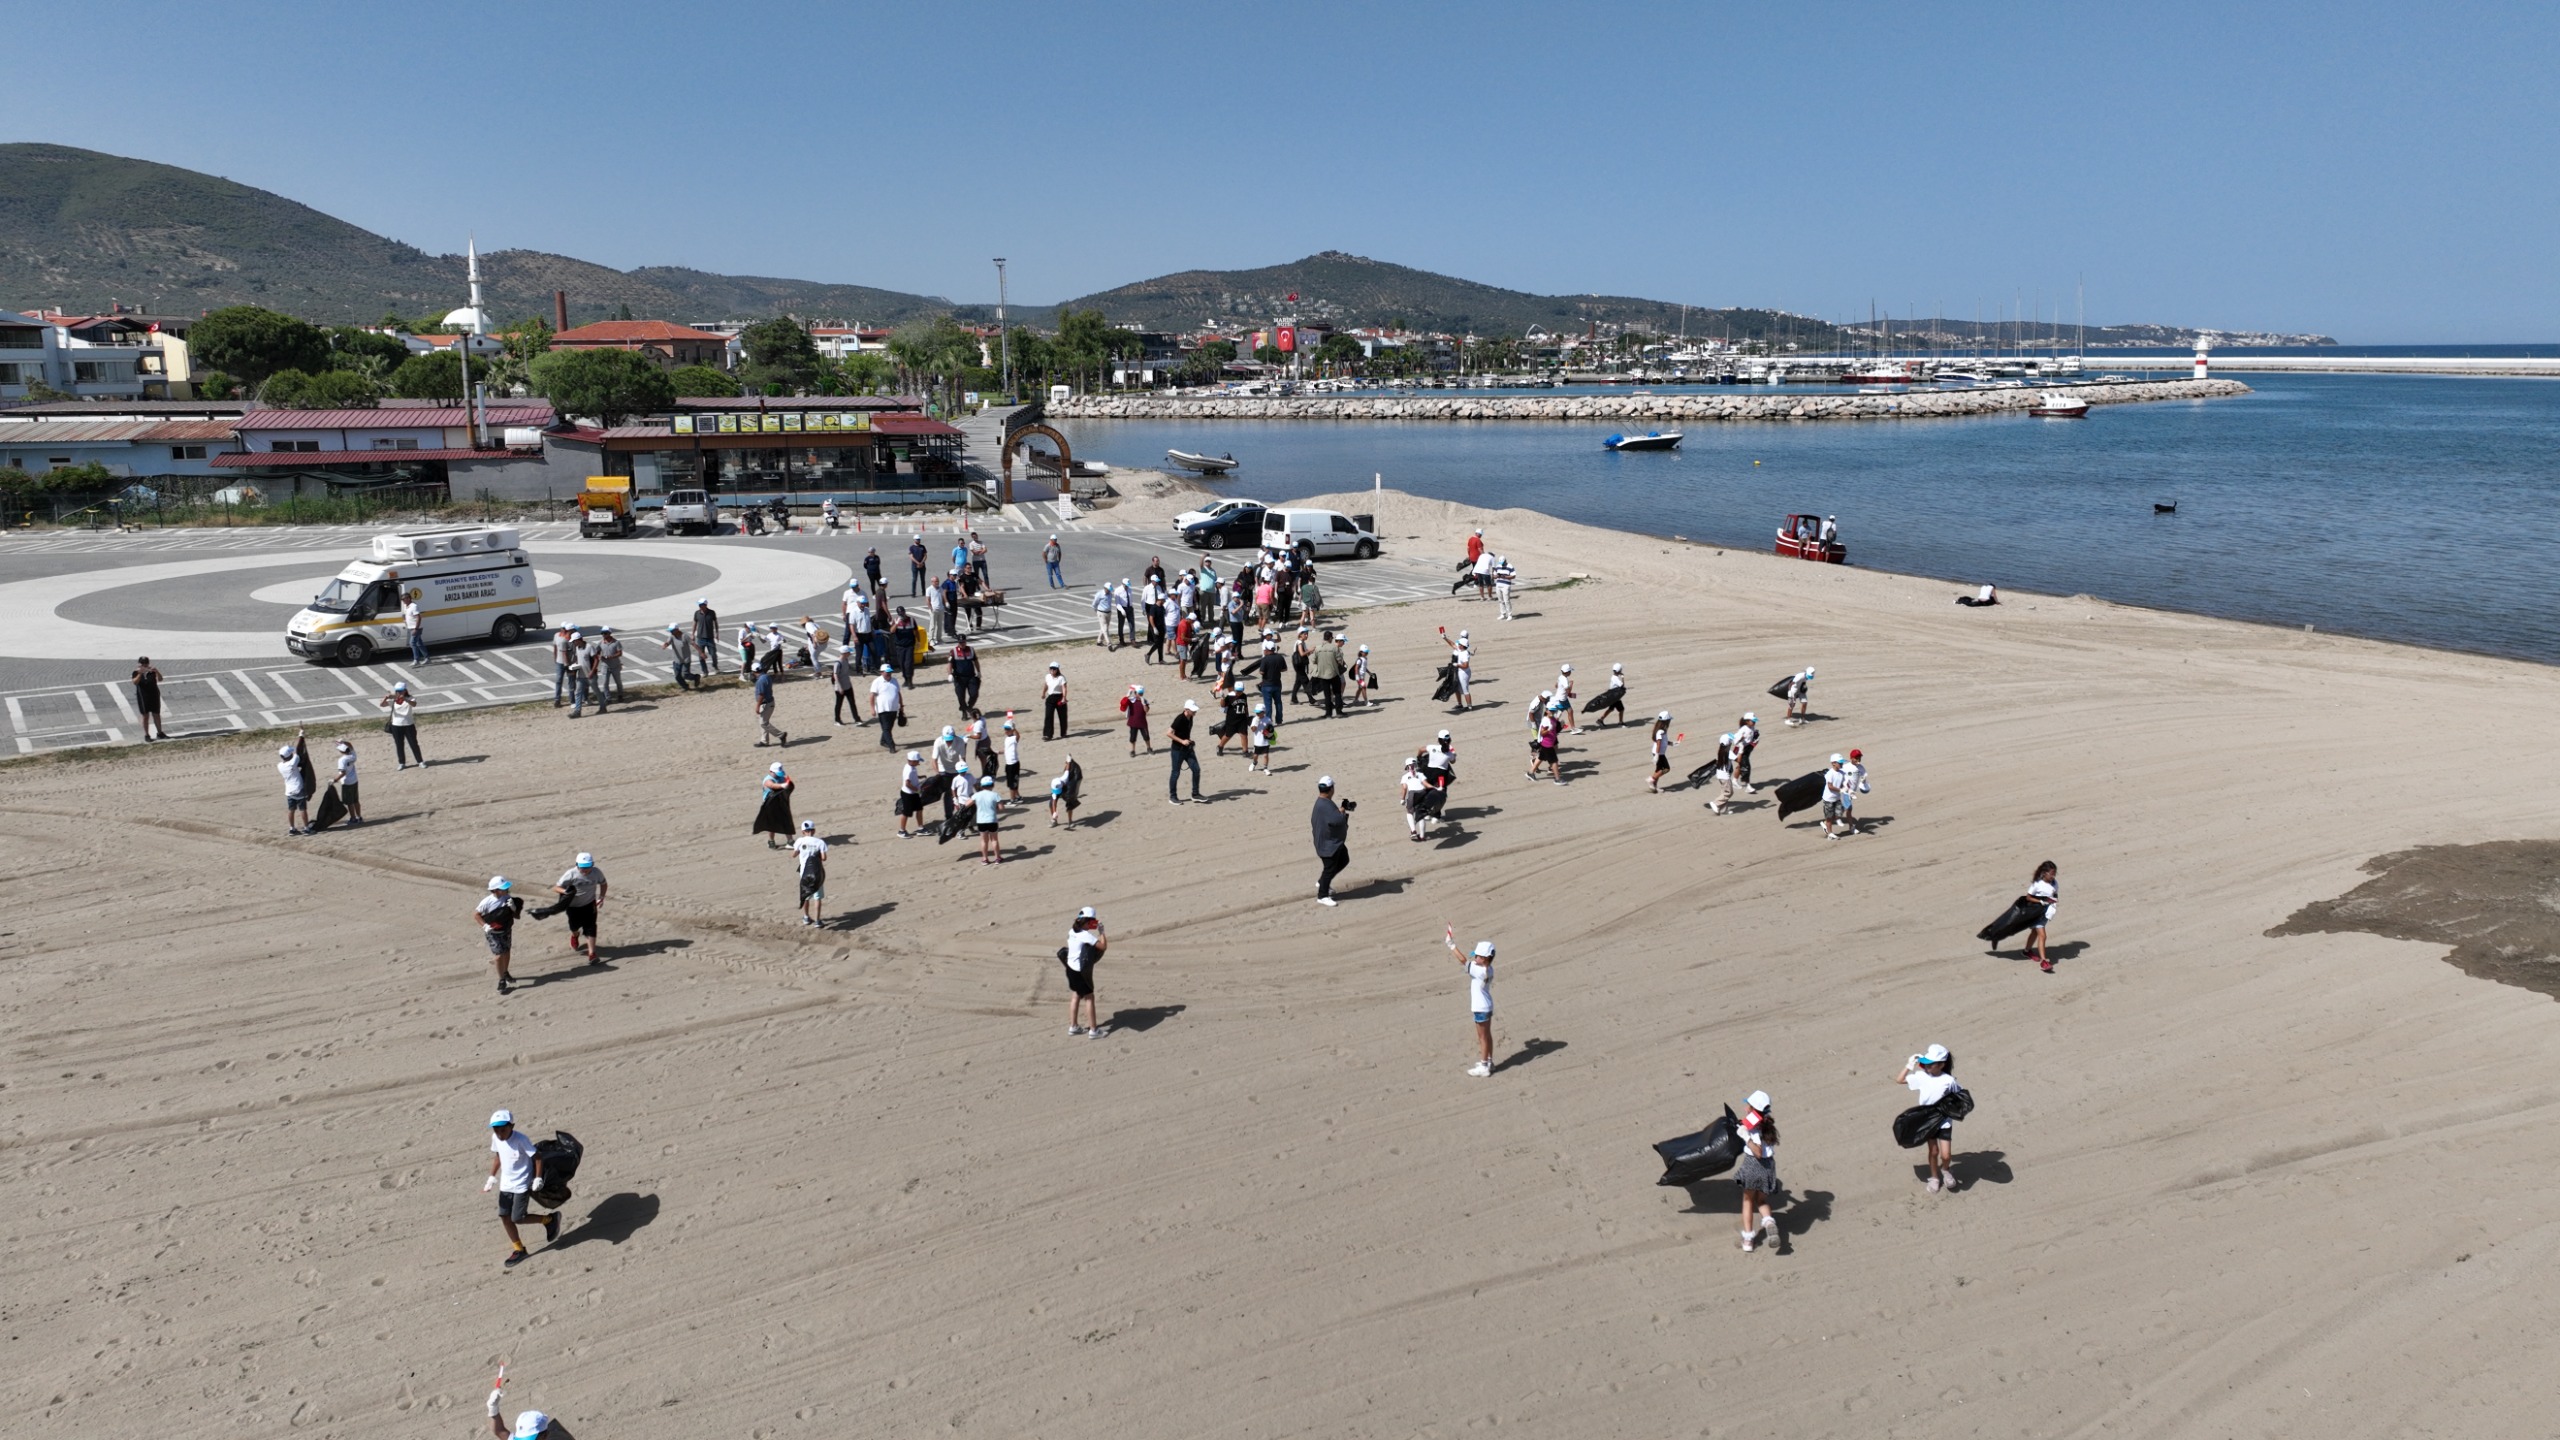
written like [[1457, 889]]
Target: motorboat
[[1877, 372], [1651, 440], [1201, 464], [2054, 405], [1801, 539]]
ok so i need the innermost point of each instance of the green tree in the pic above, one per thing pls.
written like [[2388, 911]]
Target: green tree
[[706, 381], [436, 375], [609, 386], [1207, 362], [863, 372], [366, 352], [328, 390], [216, 385], [1269, 355], [930, 355], [1340, 350], [510, 371], [253, 342], [1035, 358], [781, 358]]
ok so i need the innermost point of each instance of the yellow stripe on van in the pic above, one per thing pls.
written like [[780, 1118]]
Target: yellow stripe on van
[[422, 614]]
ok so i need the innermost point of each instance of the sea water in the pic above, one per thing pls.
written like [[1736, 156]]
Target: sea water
[[2416, 508]]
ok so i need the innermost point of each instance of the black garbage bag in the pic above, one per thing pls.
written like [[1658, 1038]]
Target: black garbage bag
[[2025, 913], [1779, 690], [333, 808], [1448, 683], [1802, 793], [1913, 1127], [1707, 771], [1613, 698], [559, 1156], [1688, 1159]]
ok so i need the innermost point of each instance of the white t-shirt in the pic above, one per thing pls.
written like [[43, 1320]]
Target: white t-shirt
[[1053, 684], [2043, 890], [584, 884], [409, 614], [1012, 748], [1414, 785], [884, 696], [1834, 784], [1462, 657], [962, 788], [347, 767], [291, 770], [808, 848], [1480, 986], [1078, 943], [404, 712], [1931, 1089], [515, 1161]]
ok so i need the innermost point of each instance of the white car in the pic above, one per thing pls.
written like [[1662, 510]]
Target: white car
[[1218, 511]]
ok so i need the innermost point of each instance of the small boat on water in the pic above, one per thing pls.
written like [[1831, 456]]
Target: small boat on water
[[1801, 539], [1651, 440], [1882, 372], [1201, 464], [2054, 405]]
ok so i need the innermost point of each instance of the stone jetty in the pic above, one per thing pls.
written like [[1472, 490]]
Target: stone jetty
[[1736, 404]]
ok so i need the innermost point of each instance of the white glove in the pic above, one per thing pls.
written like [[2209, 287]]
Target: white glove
[[489, 1184]]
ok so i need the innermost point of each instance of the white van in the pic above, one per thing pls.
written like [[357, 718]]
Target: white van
[[471, 582], [1323, 534]]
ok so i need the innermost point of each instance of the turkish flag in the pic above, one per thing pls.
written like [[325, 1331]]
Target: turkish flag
[[1287, 339], [1293, 297]]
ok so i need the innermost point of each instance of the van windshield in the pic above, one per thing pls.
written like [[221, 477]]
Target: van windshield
[[339, 596]]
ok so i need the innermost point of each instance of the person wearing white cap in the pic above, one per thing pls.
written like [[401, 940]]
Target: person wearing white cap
[[1732, 755], [706, 634], [587, 678], [885, 702], [529, 1423], [809, 856], [910, 791], [1479, 967], [347, 782], [1503, 578], [679, 648], [1835, 798], [1361, 678], [1257, 740], [1746, 733], [1051, 557], [1800, 697], [773, 807], [948, 750], [515, 1172], [1758, 1172], [1185, 752], [1009, 754], [1462, 660], [1332, 827], [1662, 742], [1611, 701], [294, 764], [1931, 1074], [609, 652], [497, 912], [402, 725], [581, 889], [1082, 952], [1565, 696]]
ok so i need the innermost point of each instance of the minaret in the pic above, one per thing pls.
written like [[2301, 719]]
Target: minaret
[[479, 317]]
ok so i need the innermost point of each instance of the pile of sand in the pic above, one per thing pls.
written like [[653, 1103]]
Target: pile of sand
[[860, 1181]]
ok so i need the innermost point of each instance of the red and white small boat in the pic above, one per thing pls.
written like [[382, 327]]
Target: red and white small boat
[[1801, 539], [1877, 372], [2054, 405]]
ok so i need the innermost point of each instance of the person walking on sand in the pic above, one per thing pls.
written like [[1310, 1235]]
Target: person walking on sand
[[885, 700], [2046, 887], [1053, 704], [1662, 741], [1564, 699], [581, 889], [902, 651], [402, 725], [515, 1172], [1610, 702], [1931, 1074], [910, 792], [1009, 752], [1835, 787], [1414, 788], [1267, 672], [146, 699], [1758, 1172], [1332, 827], [761, 699], [1543, 752], [966, 677], [1257, 740], [1301, 651], [1731, 754], [706, 635], [1185, 752], [679, 648], [773, 807], [1080, 955], [347, 782], [1360, 678], [1504, 577], [1324, 676], [1133, 711], [497, 913], [294, 764], [1478, 964], [988, 808], [1800, 698], [840, 674], [809, 856], [1746, 733], [1853, 783], [609, 656]]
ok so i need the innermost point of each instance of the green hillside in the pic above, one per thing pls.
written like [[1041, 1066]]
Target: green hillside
[[79, 229]]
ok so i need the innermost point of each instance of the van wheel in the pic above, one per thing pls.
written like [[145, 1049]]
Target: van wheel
[[1365, 550], [1217, 542], [507, 631], [354, 650], [1307, 551]]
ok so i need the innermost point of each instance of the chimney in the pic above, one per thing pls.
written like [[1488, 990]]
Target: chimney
[[559, 310]]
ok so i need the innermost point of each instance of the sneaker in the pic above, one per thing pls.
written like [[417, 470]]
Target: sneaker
[[516, 1258], [2045, 965], [551, 1227], [1933, 1185], [1329, 900], [1480, 1069], [503, 987], [786, 738], [1747, 1237], [1097, 1032]]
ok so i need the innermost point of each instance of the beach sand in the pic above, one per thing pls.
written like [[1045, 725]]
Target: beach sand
[[861, 1182]]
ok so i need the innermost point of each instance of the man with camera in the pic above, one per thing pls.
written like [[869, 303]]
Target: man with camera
[[1332, 825]]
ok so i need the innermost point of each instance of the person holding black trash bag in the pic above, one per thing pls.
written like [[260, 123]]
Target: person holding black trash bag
[[1931, 1074], [1758, 1172], [2046, 887]]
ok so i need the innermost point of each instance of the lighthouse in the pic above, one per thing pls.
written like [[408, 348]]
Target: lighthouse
[[2204, 352]]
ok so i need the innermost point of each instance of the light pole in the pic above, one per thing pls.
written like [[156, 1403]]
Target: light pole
[[1004, 338]]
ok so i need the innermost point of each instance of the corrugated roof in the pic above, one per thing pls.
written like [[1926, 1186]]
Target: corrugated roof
[[191, 430], [74, 432], [624, 332], [323, 459], [421, 418], [911, 425]]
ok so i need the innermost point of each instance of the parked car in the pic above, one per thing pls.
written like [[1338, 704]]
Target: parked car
[[692, 512], [1319, 534], [1238, 529], [1215, 510]]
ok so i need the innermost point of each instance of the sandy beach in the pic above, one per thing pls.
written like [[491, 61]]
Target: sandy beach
[[859, 1181]]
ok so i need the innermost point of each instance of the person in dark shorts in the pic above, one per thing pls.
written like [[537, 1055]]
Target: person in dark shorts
[[515, 1172], [582, 890], [1758, 1172], [347, 793], [497, 914], [809, 856], [1081, 953], [146, 698]]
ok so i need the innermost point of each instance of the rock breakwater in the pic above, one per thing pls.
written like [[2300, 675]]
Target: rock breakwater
[[1720, 406]]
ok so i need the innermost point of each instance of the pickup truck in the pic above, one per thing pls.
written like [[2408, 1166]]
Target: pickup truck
[[605, 507], [692, 512]]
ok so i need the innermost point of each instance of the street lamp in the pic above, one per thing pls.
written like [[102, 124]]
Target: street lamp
[[1004, 338]]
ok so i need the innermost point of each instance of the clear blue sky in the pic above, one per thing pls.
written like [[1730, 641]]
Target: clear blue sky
[[2383, 173]]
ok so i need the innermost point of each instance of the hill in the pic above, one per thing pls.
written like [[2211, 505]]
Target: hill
[[79, 229]]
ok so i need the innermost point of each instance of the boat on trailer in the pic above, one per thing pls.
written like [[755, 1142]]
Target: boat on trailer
[[1201, 464]]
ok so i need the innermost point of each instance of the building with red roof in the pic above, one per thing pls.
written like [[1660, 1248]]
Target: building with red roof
[[668, 343]]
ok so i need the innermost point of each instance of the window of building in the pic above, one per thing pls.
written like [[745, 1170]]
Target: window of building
[[186, 452], [89, 372], [9, 375], [389, 443], [57, 460], [304, 447]]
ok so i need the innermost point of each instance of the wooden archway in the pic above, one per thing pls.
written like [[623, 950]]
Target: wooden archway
[[1066, 457]]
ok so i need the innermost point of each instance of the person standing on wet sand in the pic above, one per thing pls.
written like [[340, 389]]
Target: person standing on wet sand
[[497, 913], [1758, 1172], [146, 699]]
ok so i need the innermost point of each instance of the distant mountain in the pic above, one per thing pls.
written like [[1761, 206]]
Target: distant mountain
[[79, 229], [1351, 290]]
